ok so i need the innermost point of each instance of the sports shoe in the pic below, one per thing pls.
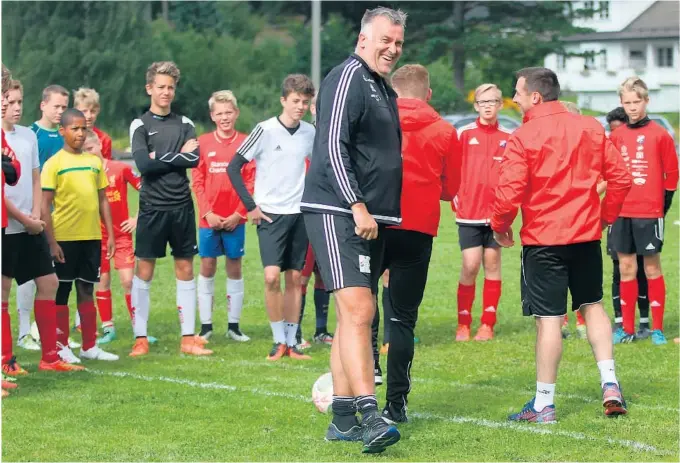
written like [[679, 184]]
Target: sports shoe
[[66, 354], [643, 332], [73, 344], [27, 342], [200, 340], [377, 433], [151, 339], [6, 384], [620, 337], [394, 414], [377, 374], [278, 351], [96, 353], [484, 333], [528, 413], [658, 338], [141, 347], [302, 345], [4, 393], [324, 338], [237, 336], [58, 366], [353, 434], [295, 353], [463, 333], [385, 348], [612, 400], [581, 332], [109, 336], [35, 332], [12, 368], [565, 332], [191, 346]]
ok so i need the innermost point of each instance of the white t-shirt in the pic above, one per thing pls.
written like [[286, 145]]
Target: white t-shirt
[[279, 164], [25, 145]]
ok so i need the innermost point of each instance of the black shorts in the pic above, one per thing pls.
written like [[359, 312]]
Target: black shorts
[[81, 261], [549, 271], [283, 242], [345, 259], [643, 237], [158, 228], [472, 236], [26, 257]]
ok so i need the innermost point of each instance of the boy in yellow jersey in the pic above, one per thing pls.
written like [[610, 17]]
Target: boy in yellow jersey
[[75, 182]]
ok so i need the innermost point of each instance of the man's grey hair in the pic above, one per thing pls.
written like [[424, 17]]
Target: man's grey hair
[[397, 17]]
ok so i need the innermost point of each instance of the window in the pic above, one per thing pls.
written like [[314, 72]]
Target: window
[[603, 60], [589, 61], [604, 10], [588, 7], [664, 57], [561, 61], [636, 59]]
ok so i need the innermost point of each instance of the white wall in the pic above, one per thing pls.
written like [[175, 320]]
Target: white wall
[[621, 13]]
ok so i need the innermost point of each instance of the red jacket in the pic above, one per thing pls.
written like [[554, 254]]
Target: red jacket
[[431, 160], [649, 153], [7, 151], [482, 147], [214, 192], [550, 170], [105, 140]]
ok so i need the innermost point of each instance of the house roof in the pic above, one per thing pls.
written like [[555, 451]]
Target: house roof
[[659, 21]]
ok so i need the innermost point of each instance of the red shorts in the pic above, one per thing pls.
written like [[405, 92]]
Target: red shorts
[[124, 256]]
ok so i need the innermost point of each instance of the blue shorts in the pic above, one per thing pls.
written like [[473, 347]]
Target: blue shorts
[[216, 243]]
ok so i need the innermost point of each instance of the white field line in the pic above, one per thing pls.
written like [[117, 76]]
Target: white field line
[[532, 429]]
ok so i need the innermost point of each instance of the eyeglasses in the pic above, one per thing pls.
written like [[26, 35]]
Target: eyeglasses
[[487, 102]]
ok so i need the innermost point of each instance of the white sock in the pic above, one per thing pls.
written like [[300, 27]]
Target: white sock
[[25, 301], [618, 320], [279, 331], [545, 395], [291, 331], [644, 320], [607, 372], [140, 305], [235, 294], [206, 293], [77, 318], [186, 306]]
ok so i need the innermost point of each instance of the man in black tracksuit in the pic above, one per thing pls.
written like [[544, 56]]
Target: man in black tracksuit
[[354, 184]]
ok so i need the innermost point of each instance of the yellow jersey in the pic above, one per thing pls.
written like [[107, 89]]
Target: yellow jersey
[[76, 180]]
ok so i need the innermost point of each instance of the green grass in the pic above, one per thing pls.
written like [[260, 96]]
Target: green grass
[[237, 406]]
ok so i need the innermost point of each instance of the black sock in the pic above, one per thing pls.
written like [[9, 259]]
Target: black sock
[[367, 404], [344, 412], [234, 327], [206, 327], [321, 302]]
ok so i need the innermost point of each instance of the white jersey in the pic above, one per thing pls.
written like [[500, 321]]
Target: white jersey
[[25, 145], [279, 164]]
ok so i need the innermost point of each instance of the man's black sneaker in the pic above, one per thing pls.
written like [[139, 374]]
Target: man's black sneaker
[[644, 332], [377, 433], [353, 434], [394, 414], [377, 374]]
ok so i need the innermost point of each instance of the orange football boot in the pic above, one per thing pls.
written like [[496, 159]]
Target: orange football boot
[[463, 333], [191, 347], [140, 348]]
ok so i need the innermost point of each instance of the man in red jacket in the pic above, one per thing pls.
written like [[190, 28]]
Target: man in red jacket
[[431, 160], [482, 143], [551, 169], [649, 152], [222, 214]]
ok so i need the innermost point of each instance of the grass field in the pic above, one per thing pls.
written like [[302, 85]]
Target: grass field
[[236, 406]]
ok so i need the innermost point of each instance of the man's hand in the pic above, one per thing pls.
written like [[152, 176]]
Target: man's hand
[[214, 220], [189, 146], [365, 225], [152, 155], [34, 226], [231, 222], [504, 239], [256, 216], [110, 248], [129, 225], [57, 253]]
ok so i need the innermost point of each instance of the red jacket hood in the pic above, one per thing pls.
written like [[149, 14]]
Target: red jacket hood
[[415, 114]]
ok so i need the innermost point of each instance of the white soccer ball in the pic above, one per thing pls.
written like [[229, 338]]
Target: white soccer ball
[[322, 392]]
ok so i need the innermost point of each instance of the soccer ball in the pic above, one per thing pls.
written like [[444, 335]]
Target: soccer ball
[[322, 392]]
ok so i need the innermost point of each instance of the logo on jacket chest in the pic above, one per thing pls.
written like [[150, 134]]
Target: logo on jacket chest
[[218, 167]]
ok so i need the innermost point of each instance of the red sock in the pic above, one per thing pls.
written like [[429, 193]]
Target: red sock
[[128, 302], [466, 297], [629, 296], [46, 319], [6, 334], [566, 320], [656, 292], [88, 324], [105, 307], [62, 325], [490, 297], [579, 318]]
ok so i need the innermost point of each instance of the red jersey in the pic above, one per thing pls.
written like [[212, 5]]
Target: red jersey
[[431, 160], [482, 151], [119, 175], [211, 184], [550, 169], [7, 151], [649, 154], [105, 140]]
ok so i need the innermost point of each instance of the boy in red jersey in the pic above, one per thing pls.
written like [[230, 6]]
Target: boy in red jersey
[[86, 100], [222, 214], [650, 155], [119, 176], [483, 143]]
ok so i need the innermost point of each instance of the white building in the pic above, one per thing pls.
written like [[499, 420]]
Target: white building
[[632, 37]]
